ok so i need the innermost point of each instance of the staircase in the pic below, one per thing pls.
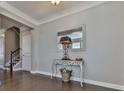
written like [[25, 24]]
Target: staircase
[[15, 60]]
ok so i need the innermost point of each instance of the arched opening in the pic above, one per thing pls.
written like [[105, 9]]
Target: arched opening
[[12, 43]]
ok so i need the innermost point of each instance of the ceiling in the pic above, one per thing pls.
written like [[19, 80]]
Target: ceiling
[[41, 9], [39, 12]]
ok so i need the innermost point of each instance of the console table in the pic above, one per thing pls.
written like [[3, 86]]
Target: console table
[[80, 64]]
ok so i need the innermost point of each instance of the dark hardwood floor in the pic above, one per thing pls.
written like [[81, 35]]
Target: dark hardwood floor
[[25, 81]]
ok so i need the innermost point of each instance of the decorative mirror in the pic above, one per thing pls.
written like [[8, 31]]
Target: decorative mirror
[[78, 37]]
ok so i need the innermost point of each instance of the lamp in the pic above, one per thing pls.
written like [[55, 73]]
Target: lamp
[[66, 42], [55, 2]]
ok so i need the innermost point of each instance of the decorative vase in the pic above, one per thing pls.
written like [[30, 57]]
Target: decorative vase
[[66, 74]]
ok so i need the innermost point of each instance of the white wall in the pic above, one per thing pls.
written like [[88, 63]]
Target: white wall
[[104, 41], [35, 49]]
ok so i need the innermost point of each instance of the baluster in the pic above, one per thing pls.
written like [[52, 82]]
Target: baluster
[[11, 65]]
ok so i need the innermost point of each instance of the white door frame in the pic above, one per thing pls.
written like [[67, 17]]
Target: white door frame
[[2, 31]]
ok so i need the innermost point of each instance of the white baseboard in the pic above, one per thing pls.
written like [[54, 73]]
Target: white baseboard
[[93, 82], [17, 69], [2, 67]]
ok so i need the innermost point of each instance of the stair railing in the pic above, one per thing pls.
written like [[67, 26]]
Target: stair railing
[[15, 57]]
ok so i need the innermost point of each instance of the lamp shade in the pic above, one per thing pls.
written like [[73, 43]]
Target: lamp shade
[[65, 40]]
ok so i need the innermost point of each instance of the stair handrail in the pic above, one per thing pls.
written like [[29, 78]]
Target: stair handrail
[[16, 50], [11, 61]]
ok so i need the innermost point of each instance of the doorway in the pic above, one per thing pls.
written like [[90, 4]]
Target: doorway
[[11, 40]]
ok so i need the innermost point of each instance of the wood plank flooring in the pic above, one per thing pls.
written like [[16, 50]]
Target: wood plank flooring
[[25, 81]]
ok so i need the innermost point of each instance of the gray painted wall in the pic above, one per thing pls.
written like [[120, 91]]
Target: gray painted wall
[[104, 41]]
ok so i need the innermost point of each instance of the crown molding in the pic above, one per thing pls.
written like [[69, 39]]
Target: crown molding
[[17, 12], [59, 15], [71, 11], [17, 18]]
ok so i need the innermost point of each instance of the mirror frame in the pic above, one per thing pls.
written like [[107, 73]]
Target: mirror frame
[[83, 46]]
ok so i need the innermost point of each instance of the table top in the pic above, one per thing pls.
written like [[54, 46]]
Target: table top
[[68, 62]]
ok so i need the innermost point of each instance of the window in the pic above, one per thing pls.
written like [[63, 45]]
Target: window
[[76, 45], [77, 36]]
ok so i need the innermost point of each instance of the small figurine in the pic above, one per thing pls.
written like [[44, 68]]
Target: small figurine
[[78, 59]]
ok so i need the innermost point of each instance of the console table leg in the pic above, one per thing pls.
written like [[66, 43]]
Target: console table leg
[[55, 70], [81, 75], [52, 71], [81, 84]]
